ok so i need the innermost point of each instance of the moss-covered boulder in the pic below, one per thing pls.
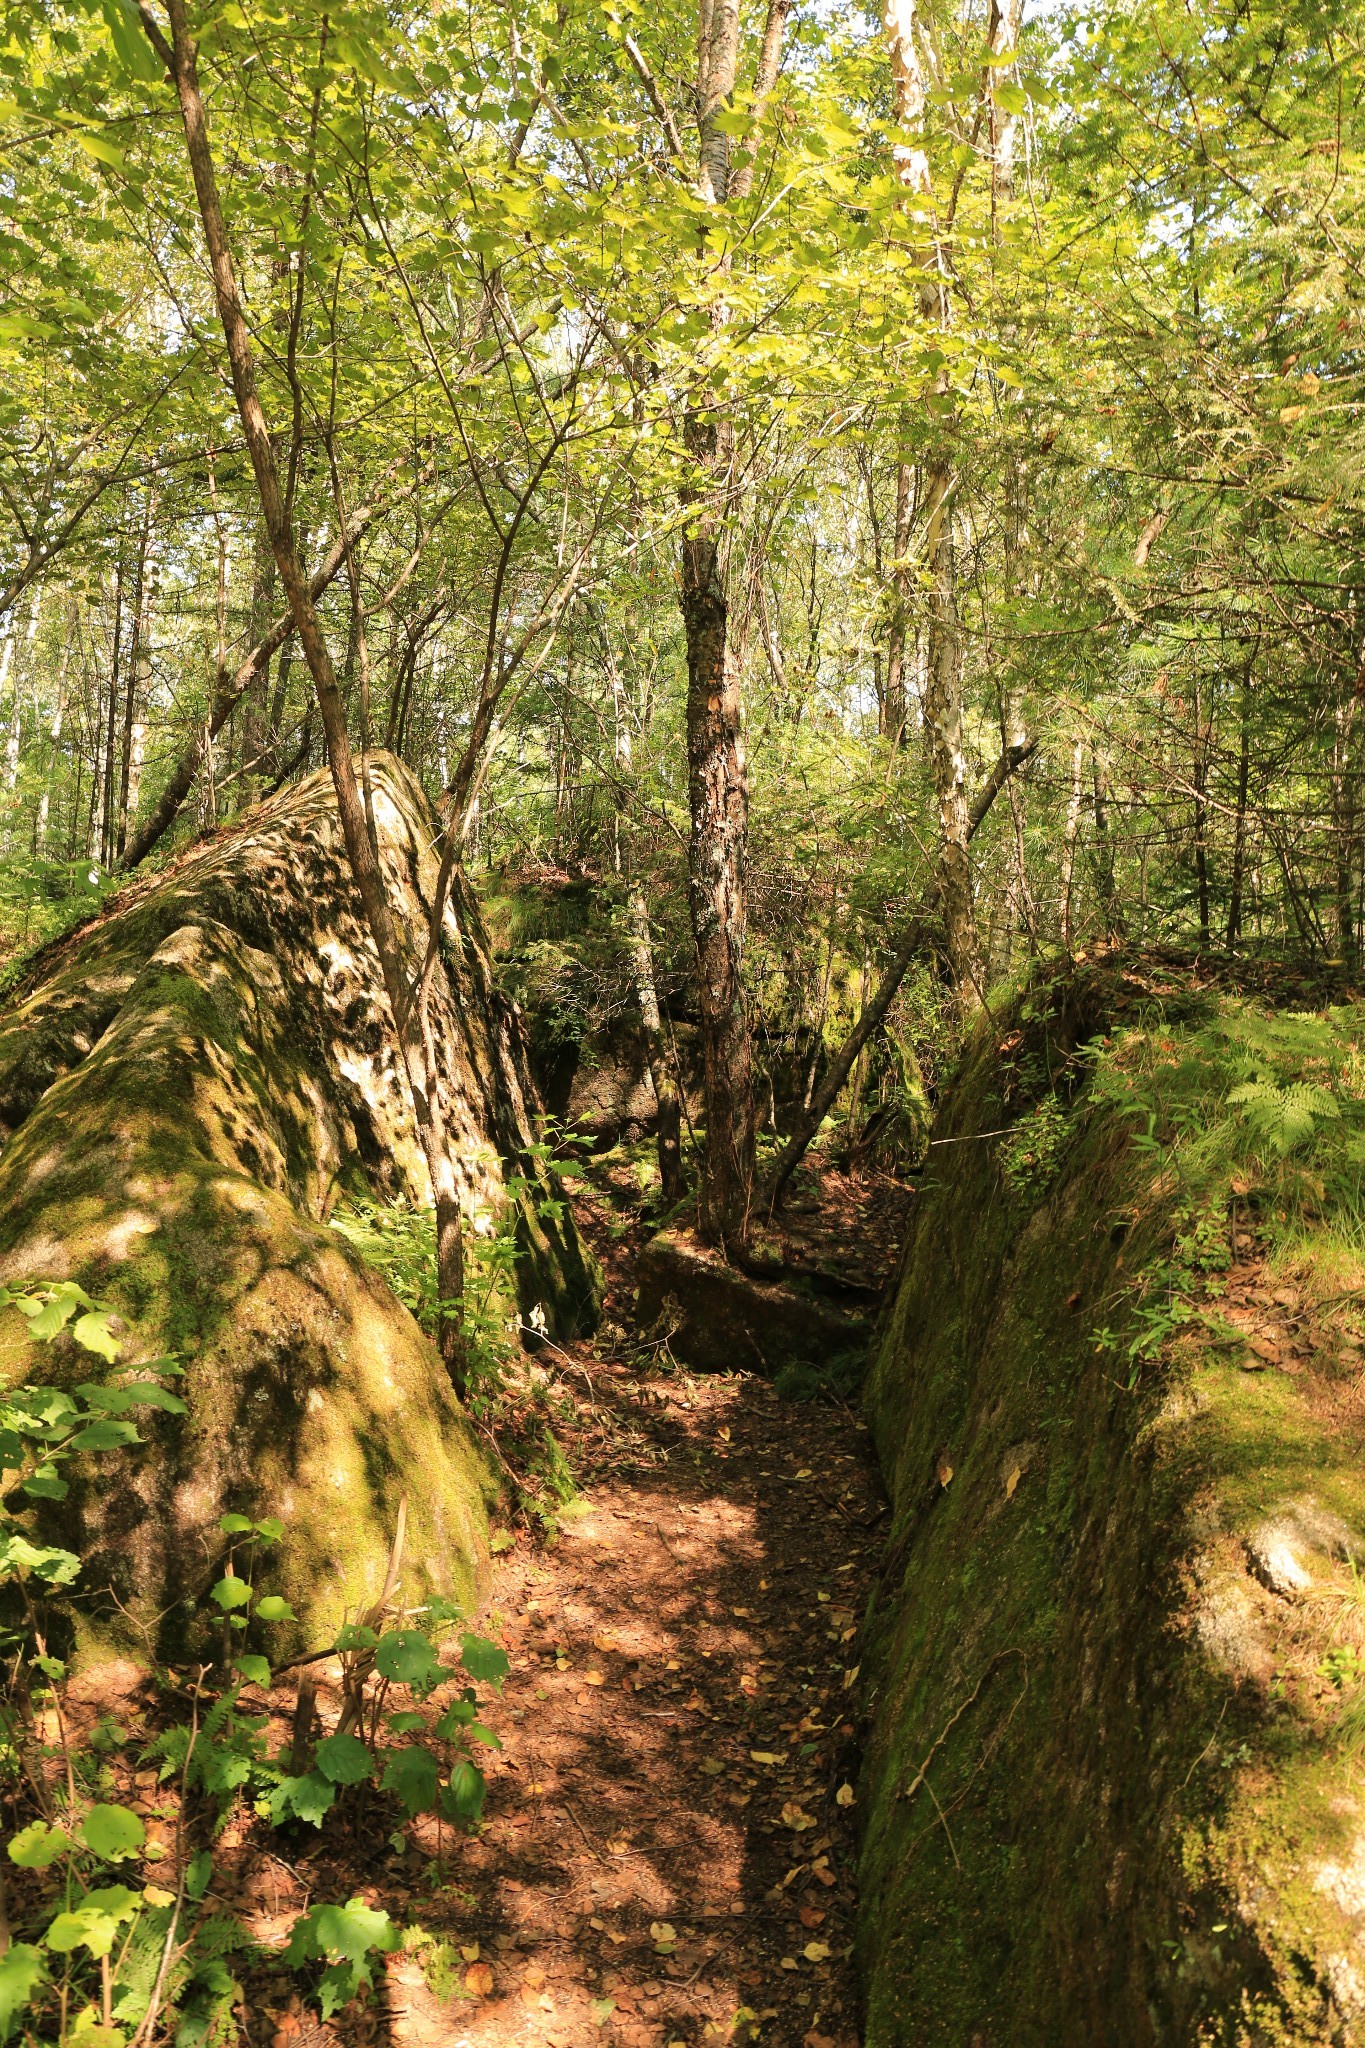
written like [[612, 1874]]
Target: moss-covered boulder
[[187, 1086], [1115, 1672]]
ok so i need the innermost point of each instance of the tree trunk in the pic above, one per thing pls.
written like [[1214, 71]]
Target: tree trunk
[[136, 655], [111, 727], [651, 1025], [943, 727], [894, 705], [1239, 831], [1070, 835], [411, 1020], [719, 795], [1201, 819]]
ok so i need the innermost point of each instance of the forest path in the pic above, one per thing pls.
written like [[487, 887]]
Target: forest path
[[666, 1856]]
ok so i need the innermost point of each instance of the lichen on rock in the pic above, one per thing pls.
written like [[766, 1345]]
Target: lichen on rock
[[187, 1085]]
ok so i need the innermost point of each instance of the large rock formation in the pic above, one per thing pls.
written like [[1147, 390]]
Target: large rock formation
[[1116, 1668], [186, 1087]]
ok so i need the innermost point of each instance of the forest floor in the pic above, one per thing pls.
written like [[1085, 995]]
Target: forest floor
[[668, 1845]]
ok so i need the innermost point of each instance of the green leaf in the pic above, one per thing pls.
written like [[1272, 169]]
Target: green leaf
[[22, 1970], [341, 1934], [257, 1669], [272, 1608], [353, 1635], [412, 1774], [92, 1330], [307, 1798], [38, 1845], [94, 1923], [478, 1733], [234, 1525], [405, 1656], [458, 1716], [104, 153], [147, 1394], [230, 1593], [57, 1567], [463, 1797], [12, 1452], [47, 1318], [484, 1660], [103, 1436], [198, 1875], [406, 1723], [45, 1485], [270, 1530], [135, 54], [344, 1759], [113, 1832]]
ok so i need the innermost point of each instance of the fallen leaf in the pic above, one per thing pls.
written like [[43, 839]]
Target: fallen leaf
[[943, 1471], [470, 1953], [812, 1916], [789, 1963], [825, 1876], [1012, 1480], [805, 1473], [155, 1896], [814, 2040], [766, 1756], [712, 1766], [593, 1678], [478, 1981], [845, 1796], [602, 2010], [815, 1951], [660, 1930], [533, 1975], [793, 1817]]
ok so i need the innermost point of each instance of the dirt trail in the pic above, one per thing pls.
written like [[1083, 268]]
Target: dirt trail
[[665, 1848]]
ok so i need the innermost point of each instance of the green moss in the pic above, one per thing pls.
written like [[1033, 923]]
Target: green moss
[[1094, 1812]]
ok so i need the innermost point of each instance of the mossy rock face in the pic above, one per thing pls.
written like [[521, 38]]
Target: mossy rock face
[[186, 1087], [1106, 1795]]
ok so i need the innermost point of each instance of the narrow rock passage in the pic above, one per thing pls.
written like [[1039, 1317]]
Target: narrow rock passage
[[669, 1843]]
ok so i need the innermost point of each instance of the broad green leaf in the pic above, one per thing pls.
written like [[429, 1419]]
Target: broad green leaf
[[484, 1660], [38, 1845], [411, 1774], [307, 1798], [234, 1525], [405, 1656], [230, 1593], [44, 1484], [104, 153], [22, 1970], [113, 1832], [463, 1797], [94, 1923], [345, 1759], [135, 54], [103, 1436], [406, 1723], [271, 1607], [92, 1330], [257, 1669]]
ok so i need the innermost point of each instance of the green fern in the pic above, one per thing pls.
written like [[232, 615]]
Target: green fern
[[1285, 1118]]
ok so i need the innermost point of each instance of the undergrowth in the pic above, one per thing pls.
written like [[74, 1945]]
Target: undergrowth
[[511, 1399], [96, 1951]]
